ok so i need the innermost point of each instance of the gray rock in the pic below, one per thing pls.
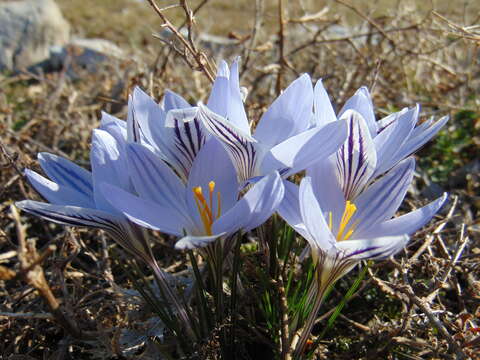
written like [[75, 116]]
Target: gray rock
[[82, 53], [28, 29]]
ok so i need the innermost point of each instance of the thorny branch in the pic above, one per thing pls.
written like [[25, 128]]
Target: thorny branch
[[465, 32], [189, 45], [259, 7], [424, 306], [32, 273], [281, 47]]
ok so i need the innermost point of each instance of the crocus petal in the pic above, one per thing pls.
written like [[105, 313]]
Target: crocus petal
[[218, 99], [143, 212], [323, 109], [240, 146], [388, 120], [108, 119], [418, 137], [190, 242], [149, 118], [115, 127], [361, 102], [380, 201], [372, 248], [236, 111], [185, 138], [173, 101], [64, 172], [391, 139], [289, 114], [154, 180], [108, 165], [72, 215], [289, 208], [320, 236], [405, 224], [356, 158], [133, 127], [213, 164], [304, 149], [58, 194], [254, 208], [327, 188]]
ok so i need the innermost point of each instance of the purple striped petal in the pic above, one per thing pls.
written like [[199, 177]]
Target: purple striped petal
[[186, 138], [419, 136], [64, 172], [144, 212], [391, 139], [356, 158], [380, 201], [361, 102], [374, 248], [72, 215], [57, 193], [241, 147], [154, 180], [119, 228], [405, 224]]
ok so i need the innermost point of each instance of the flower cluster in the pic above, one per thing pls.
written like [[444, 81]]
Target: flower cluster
[[200, 174]]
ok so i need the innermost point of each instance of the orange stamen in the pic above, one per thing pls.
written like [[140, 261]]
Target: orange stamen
[[206, 209]]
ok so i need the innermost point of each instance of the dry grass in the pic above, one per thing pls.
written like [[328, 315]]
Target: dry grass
[[406, 54]]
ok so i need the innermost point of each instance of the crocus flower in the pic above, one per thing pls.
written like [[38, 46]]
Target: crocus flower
[[75, 199], [205, 208], [337, 248], [172, 129], [372, 147], [282, 140], [372, 213], [341, 233], [73, 194]]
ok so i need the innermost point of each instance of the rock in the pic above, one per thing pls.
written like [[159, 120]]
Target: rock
[[82, 53], [218, 46], [28, 29]]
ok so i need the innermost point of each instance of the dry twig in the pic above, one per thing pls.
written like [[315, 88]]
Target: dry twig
[[189, 45]]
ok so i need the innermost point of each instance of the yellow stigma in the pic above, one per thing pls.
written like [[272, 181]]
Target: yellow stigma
[[205, 209], [344, 231]]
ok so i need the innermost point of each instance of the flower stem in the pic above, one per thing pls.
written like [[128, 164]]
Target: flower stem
[[300, 339]]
